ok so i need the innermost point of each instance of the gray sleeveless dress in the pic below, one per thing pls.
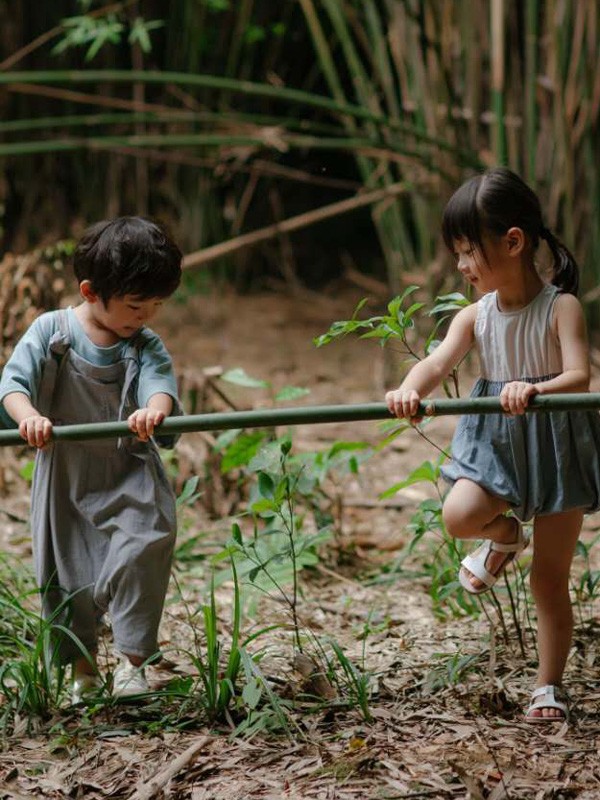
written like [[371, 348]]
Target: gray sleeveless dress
[[540, 463], [102, 511]]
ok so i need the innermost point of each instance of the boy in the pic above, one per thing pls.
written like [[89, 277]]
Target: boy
[[102, 512]]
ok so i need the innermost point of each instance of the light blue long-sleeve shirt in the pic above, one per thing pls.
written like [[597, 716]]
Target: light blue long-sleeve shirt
[[23, 371]]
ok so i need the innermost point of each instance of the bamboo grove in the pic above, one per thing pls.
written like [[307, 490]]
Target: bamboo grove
[[224, 116]]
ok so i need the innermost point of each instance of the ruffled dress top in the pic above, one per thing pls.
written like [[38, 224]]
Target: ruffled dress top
[[539, 462]]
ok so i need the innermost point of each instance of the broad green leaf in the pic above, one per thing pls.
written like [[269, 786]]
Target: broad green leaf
[[242, 450], [239, 377], [266, 485], [291, 393]]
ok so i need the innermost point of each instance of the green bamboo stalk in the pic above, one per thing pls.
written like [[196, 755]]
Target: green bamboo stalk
[[390, 223], [165, 117], [497, 82], [279, 143], [309, 415], [283, 94], [381, 58], [531, 68]]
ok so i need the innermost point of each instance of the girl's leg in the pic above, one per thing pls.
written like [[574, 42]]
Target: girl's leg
[[555, 537], [472, 513]]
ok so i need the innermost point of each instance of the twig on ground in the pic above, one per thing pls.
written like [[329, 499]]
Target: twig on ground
[[151, 788]]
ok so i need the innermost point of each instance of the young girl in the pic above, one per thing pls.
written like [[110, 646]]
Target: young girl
[[102, 511], [531, 339]]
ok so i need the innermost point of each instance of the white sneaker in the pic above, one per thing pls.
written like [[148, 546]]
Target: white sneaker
[[84, 687], [129, 679]]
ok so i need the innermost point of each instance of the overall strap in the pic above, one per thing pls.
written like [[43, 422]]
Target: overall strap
[[58, 345], [132, 358]]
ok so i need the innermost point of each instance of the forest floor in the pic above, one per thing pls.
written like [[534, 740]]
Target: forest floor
[[447, 691]]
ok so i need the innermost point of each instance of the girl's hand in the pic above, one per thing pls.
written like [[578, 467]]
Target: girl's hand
[[36, 430], [516, 395], [143, 421], [404, 404]]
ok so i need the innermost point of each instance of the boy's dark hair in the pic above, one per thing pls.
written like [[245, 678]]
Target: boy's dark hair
[[495, 201], [128, 255]]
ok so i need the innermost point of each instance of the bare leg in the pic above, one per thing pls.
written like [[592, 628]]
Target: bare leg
[[82, 666], [555, 537], [472, 513], [137, 661]]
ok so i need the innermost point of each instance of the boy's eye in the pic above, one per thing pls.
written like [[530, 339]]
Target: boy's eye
[[134, 308]]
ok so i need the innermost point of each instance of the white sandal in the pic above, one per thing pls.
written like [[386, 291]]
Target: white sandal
[[475, 561], [545, 697]]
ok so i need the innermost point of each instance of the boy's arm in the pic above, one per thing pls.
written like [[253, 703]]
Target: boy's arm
[[20, 382], [143, 421], [33, 427]]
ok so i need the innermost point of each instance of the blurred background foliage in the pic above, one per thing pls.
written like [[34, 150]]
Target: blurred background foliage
[[224, 117]]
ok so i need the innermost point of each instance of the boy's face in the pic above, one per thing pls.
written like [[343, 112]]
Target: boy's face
[[126, 315], [121, 316]]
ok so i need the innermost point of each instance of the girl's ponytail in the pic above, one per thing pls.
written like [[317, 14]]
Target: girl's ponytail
[[566, 271]]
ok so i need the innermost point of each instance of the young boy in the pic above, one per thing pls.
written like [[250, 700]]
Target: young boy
[[102, 512]]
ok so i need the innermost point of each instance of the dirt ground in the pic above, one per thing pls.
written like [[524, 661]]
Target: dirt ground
[[436, 731]]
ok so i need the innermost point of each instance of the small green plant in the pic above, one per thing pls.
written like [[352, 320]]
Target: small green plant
[[355, 683], [450, 670], [279, 547], [399, 326], [32, 673], [217, 672], [586, 585]]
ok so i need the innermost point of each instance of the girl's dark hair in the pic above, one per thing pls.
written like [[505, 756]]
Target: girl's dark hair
[[495, 201], [128, 255]]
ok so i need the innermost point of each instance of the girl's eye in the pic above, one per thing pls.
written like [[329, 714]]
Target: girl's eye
[[134, 308]]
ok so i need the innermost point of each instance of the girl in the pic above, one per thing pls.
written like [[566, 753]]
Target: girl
[[102, 511], [531, 339]]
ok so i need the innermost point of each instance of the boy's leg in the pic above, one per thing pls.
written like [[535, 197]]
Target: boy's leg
[[470, 512], [555, 538], [133, 585]]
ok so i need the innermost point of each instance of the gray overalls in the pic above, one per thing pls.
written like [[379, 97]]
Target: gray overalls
[[102, 512]]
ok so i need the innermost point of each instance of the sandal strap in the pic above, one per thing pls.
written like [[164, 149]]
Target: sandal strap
[[511, 547], [476, 567], [549, 693]]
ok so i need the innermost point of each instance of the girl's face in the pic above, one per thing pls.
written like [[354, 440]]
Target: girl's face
[[472, 264], [475, 266]]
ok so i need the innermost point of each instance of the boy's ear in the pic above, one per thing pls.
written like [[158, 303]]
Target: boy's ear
[[515, 241], [86, 291]]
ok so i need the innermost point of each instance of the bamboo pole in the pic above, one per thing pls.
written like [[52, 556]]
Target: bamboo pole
[[310, 415], [291, 224]]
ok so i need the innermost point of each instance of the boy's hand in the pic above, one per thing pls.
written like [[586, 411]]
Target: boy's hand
[[143, 421], [404, 404], [516, 395], [36, 430]]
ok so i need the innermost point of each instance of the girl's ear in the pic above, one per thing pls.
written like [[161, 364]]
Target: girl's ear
[[515, 241], [86, 291]]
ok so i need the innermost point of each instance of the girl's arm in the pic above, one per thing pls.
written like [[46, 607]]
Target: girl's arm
[[570, 328], [429, 373], [569, 323]]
